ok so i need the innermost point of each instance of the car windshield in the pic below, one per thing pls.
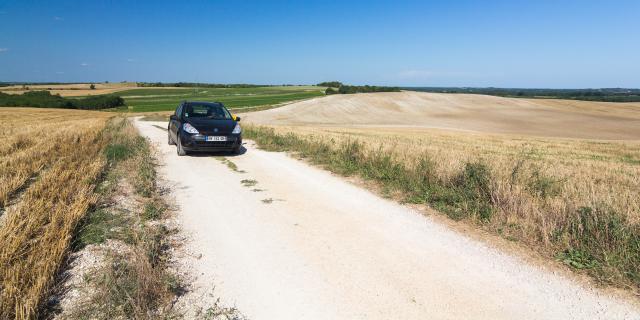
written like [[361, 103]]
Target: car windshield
[[211, 111]]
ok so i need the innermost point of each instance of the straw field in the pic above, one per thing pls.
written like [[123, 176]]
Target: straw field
[[50, 161]]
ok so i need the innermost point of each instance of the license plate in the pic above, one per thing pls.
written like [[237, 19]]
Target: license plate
[[216, 138]]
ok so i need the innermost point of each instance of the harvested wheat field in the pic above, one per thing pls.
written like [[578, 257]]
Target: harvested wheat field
[[464, 112], [50, 160], [521, 169], [72, 89]]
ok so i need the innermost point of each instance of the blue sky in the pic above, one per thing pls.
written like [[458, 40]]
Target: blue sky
[[550, 44]]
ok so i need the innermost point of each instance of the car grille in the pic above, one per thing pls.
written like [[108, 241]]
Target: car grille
[[217, 144], [214, 144], [213, 133]]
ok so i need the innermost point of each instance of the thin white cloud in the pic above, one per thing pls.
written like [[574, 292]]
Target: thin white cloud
[[59, 72], [4, 49], [58, 18], [84, 64], [130, 60]]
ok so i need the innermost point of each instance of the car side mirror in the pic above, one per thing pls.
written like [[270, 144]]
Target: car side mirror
[[237, 118]]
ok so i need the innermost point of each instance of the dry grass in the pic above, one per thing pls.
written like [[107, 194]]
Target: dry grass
[[50, 161], [32, 139], [576, 200]]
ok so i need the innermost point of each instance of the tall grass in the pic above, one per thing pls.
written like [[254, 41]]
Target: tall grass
[[586, 218]]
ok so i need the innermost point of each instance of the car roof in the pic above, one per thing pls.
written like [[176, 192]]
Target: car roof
[[204, 102]]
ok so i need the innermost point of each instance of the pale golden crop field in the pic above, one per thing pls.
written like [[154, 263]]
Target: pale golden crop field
[[71, 90], [50, 160]]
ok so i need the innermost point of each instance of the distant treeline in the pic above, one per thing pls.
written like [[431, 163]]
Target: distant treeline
[[204, 85], [604, 94], [44, 99], [346, 89], [331, 84]]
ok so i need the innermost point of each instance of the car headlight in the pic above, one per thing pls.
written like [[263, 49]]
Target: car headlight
[[237, 129], [189, 128]]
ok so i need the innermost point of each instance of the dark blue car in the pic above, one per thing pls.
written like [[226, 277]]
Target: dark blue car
[[204, 126]]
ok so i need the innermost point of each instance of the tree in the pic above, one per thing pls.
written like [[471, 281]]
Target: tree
[[92, 87], [330, 91]]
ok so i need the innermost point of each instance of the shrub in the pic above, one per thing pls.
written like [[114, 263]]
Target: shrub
[[330, 91]]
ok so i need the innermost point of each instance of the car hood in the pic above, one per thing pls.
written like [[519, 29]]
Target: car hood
[[212, 126]]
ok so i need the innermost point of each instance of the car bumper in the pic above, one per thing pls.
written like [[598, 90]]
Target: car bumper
[[198, 143]]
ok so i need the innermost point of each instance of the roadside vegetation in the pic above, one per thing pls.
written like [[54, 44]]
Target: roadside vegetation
[[56, 166], [44, 99], [132, 277], [572, 200], [603, 94]]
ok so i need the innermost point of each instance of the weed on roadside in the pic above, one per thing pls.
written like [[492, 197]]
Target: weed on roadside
[[230, 164], [248, 182], [219, 312], [100, 225]]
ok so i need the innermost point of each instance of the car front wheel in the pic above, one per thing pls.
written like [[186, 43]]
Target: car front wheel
[[180, 149], [170, 140]]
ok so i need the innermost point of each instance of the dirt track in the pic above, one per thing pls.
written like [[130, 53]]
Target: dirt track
[[309, 245], [467, 112]]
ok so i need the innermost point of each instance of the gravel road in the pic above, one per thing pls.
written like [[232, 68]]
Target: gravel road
[[305, 244]]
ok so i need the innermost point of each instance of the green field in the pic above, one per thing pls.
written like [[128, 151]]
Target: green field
[[164, 99]]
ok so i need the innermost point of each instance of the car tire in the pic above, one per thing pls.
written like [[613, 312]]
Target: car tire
[[180, 149], [236, 149], [171, 142]]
